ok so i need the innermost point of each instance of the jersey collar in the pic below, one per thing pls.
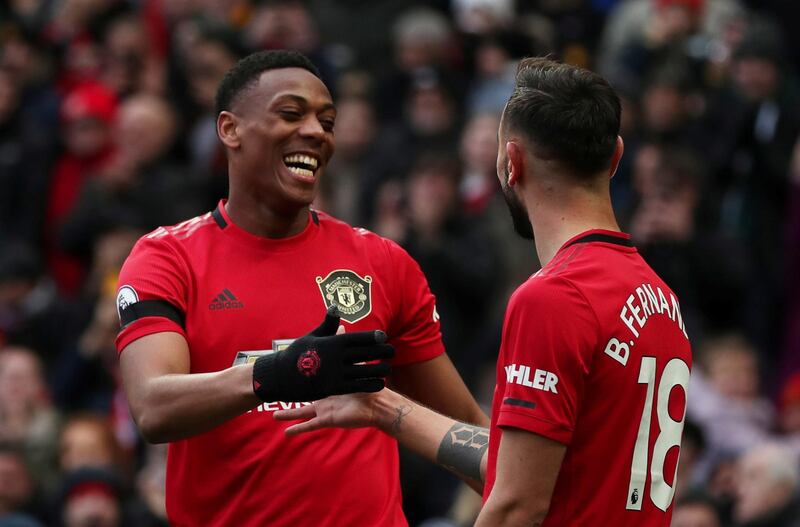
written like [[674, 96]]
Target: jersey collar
[[227, 225], [600, 235]]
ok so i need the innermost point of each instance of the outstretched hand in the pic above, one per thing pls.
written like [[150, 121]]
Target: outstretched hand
[[339, 411], [324, 362]]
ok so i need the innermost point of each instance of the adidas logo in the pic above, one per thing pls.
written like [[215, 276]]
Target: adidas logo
[[225, 300]]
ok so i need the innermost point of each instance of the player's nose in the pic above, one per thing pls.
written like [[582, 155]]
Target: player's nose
[[311, 128]]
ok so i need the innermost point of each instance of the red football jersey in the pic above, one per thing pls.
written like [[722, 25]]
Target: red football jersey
[[595, 356], [234, 296]]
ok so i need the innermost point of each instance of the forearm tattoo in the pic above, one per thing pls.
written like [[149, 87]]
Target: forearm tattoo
[[462, 449], [402, 411]]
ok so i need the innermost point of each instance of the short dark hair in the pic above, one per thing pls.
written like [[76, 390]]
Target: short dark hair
[[247, 71], [571, 114]]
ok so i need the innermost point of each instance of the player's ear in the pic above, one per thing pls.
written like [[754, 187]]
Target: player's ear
[[618, 150], [228, 129], [516, 163]]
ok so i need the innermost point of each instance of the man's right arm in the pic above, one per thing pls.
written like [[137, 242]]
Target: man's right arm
[[170, 403], [167, 402], [459, 447]]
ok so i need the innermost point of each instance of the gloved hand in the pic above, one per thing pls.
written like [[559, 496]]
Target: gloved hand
[[323, 363]]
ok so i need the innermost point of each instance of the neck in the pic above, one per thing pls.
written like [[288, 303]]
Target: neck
[[558, 216], [260, 219]]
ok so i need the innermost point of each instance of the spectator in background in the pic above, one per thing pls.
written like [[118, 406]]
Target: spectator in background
[[753, 127], [88, 115], [288, 24], [725, 400], [142, 185], [430, 122], [668, 114], [454, 252], [17, 488], [706, 269], [482, 17], [639, 33], [494, 75], [91, 498], [87, 440], [150, 510], [24, 157], [26, 415], [423, 49], [129, 65], [32, 314], [483, 202], [695, 510], [89, 368], [344, 192], [767, 488], [215, 50]]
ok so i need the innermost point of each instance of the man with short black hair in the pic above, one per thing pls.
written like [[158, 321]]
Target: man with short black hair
[[594, 362], [216, 313]]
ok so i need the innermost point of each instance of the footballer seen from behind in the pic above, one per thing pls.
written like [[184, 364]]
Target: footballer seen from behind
[[594, 363]]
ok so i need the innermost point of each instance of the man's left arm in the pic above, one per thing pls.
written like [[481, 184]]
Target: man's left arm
[[436, 384], [526, 473]]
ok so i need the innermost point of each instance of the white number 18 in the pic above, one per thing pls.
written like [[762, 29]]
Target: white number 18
[[676, 373]]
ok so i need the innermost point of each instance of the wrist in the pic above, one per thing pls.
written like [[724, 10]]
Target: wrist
[[389, 409], [263, 378]]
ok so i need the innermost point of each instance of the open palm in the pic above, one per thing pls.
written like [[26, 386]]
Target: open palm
[[338, 411]]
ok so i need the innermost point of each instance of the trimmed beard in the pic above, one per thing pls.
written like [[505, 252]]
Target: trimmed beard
[[519, 215]]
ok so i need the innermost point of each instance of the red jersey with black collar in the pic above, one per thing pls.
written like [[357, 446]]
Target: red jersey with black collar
[[595, 356], [234, 296]]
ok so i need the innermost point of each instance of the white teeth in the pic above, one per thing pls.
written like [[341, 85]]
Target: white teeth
[[300, 158], [301, 171]]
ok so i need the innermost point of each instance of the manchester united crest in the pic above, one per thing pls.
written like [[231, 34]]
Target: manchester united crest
[[347, 291]]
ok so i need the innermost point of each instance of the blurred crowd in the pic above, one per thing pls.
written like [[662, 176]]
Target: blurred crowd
[[107, 130]]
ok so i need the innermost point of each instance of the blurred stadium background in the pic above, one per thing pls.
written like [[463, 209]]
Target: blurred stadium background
[[107, 130]]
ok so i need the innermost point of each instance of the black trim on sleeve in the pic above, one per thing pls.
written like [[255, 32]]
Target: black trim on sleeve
[[151, 308], [605, 238], [519, 402], [219, 218], [314, 217]]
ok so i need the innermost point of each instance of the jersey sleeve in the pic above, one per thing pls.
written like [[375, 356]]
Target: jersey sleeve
[[152, 291], [549, 338], [415, 330]]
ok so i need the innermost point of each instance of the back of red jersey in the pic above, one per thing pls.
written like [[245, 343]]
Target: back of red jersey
[[595, 356]]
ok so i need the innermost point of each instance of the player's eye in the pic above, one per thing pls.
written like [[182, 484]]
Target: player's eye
[[327, 124], [290, 115]]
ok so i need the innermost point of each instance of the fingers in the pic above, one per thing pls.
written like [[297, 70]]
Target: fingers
[[368, 353], [329, 325], [301, 428], [304, 412], [363, 338], [367, 371]]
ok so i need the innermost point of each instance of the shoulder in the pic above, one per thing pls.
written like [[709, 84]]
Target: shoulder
[[171, 246], [193, 227], [174, 236], [365, 239], [548, 296]]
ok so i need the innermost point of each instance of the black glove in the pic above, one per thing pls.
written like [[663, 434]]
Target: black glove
[[323, 363]]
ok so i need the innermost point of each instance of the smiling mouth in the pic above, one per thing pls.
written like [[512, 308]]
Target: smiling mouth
[[301, 164]]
